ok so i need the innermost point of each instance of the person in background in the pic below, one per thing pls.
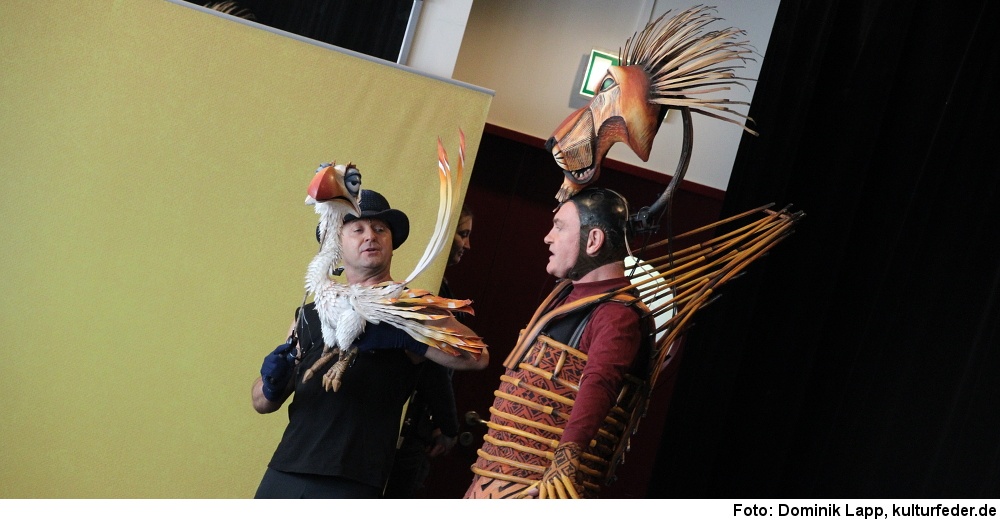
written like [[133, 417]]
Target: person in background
[[460, 245], [430, 428]]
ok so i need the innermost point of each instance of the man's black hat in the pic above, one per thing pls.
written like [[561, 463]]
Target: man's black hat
[[374, 205]]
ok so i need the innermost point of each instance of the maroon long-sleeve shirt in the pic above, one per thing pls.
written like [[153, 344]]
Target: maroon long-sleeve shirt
[[611, 341]]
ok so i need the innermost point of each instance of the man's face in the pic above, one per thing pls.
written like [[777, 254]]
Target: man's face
[[366, 245], [563, 240], [460, 244]]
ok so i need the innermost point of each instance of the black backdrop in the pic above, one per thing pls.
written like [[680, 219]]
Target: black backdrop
[[860, 359], [372, 27]]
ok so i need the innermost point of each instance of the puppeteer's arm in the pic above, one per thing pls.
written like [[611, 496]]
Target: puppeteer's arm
[[465, 360]]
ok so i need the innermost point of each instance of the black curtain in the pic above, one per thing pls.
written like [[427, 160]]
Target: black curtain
[[860, 359], [372, 27]]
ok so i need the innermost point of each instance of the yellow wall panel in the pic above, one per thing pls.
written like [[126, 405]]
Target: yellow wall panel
[[154, 239]]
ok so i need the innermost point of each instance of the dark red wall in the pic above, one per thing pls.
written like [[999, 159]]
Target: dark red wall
[[511, 193]]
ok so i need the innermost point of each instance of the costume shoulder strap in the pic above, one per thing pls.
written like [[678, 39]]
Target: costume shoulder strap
[[550, 310]]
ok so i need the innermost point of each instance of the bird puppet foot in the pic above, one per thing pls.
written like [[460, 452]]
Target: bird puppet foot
[[331, 380], [327, 356]]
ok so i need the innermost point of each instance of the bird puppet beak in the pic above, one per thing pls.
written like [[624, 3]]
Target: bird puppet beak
[[328, 185]]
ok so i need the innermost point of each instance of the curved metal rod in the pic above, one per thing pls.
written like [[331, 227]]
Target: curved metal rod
[[643, 221]]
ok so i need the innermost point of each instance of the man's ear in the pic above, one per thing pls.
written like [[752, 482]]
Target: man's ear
[[595, 241]]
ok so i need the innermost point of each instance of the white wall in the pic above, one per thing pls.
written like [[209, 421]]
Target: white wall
[[438, 36], [532, 52]]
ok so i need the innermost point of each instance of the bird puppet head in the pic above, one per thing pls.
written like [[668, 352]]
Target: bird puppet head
[[335, 181], [335, 185]]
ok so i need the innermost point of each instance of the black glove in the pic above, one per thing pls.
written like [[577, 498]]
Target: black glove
[[277, 370]]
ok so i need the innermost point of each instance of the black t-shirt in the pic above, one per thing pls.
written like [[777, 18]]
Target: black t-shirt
[[350, 433]]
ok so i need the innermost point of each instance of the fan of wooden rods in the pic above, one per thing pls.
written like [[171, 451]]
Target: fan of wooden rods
[[688, 279]]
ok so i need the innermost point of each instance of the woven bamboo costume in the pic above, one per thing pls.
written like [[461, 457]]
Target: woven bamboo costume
[[541, 384]]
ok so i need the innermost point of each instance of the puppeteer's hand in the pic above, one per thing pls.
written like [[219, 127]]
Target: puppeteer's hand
[[442, 444], [561, 480], [277, 370]]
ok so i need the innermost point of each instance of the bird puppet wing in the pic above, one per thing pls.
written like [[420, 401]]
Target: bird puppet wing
[[413, 310], [418, 313]]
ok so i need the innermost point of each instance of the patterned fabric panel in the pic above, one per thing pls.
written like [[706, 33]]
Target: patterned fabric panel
[[520, 446]]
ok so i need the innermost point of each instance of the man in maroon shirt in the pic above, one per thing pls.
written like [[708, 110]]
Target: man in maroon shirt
[[553, 432]]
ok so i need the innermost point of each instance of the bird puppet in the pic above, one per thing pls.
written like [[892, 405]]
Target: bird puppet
[[344, 309]]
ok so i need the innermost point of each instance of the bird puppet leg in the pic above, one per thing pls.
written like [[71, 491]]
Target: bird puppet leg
[[331, 380], [327, 356]]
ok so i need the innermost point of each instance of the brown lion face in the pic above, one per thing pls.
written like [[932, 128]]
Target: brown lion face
[[620, 112]]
